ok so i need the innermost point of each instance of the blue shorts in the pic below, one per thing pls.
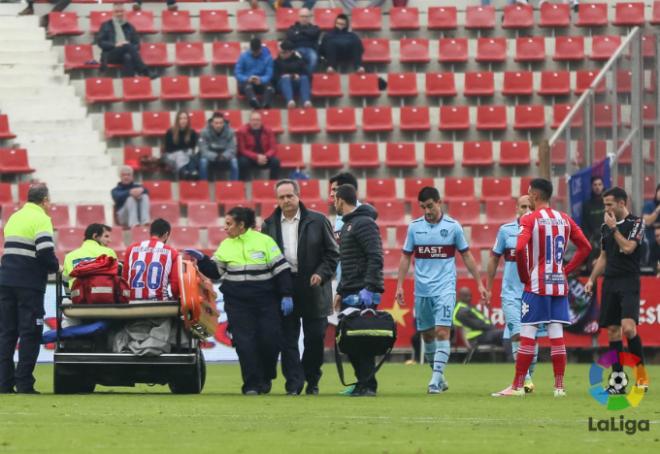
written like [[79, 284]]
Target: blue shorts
[[432, 311], [512, 310], [537, 309]]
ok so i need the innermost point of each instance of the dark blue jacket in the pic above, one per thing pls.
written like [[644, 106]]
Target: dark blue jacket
[[120, 193]]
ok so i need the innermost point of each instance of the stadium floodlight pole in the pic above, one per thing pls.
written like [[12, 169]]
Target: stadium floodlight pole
[[636, 116]]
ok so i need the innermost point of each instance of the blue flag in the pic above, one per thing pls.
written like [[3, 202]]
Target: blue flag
[[579, 186]]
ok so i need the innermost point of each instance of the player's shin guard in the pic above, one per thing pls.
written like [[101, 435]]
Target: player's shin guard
[[429, 352], [440, 361], [558, 355], [523, 360], [618, 347], [635, 347]]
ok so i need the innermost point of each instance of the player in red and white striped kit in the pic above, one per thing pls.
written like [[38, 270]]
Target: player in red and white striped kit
[[543, 238], [150, 265]]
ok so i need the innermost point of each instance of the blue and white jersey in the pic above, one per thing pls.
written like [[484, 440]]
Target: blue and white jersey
[[434, 247], [505, 245]]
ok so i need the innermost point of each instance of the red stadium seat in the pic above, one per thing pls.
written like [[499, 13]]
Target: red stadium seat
[[59, 216], [214, 87], [649, 116], [603, 116], [478, 154], [529, 117], [404, 18], [79, 56], [68, 239], [185, 238], [324, 18], [263, 191], [23, 188], [491, 50], [216, 235], [655, 15], [584, 79], [176, 21], [197, 119], [137, 89], [327, 86], [170, 211], [133, 156], [235, 117], [363, 85], [119, 124], [63, 24], [400, 155], [454, 118], [303, 121], [14, 160], [514, 153], [440, 84], [251, 20], [89, 214], [401, 232], [629, 14], [496, 188], [291, 156], [272, 118], [273, 46], [623, 81], [649, 187], [453, 50], [175, 88], [142, 20], [379, 189], [193, 191], [310, 190], [479, 83], [5, 132], [560, 111], [442, 18], [376, 50], [440, 154], [483, 235], [530, 49], [414, 50], [226, 53], [518, 83], [214, 21], [377, 119], [490, 118], [555, 15], [391, 213], [230, 191], [285, 18], [340, 119], [414, 118], [363, 155], [7, 210], [518, 16], [100, 90], [555, 83], [5, 194], [96, 19], [501, 211], [592, 15], [459, 189], [155, 54], [480, 17], [139, 233], [190, 54], [569, 48], [366, 19], [412, 186], [402, 84], [203, 214], [602, 47], [467, 212], [325, 156], [391, 258], [155, 124]]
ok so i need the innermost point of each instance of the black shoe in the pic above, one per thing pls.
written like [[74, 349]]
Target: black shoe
[[576, 7], [265, 389], [363, 392], [27, 391], [28, 11], [312, 390], [152, 74], [292, 393], [254, 103]]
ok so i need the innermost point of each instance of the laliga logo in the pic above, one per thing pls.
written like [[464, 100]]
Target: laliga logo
[[617, 380]]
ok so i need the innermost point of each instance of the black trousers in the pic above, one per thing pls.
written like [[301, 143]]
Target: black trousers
[[129, 58], [337, 54], [246, 165], [295, 370], [251, 91], [364, 367], [491, 337], [257, 333], [21, 317]]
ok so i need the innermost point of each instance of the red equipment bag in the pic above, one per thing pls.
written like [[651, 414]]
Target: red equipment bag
[[98, 282]]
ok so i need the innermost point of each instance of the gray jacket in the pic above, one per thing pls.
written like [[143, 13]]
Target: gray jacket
[[213, 145]]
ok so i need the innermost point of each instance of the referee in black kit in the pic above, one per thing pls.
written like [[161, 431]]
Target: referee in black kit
[[619, 261]]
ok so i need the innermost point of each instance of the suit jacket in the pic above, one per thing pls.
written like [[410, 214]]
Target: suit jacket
[[106, 38]]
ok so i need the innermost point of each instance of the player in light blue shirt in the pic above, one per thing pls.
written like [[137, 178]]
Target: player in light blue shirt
[[434, 241], [336, 181], [512, 288]]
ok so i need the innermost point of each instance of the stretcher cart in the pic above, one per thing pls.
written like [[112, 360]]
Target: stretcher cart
[[82, 363]]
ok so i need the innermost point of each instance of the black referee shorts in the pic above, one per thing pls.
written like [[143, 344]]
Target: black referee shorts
[[619, 300]]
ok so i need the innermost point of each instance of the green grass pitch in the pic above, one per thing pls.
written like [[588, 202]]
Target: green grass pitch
[[402, 419]]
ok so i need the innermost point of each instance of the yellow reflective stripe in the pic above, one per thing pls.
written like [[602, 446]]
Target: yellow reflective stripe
[[370, 332]]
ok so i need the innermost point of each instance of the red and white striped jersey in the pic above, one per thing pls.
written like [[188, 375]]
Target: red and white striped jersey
[[543, 239], [150, 267]]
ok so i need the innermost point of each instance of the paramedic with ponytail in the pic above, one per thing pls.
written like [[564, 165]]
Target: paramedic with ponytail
[[256, 285]]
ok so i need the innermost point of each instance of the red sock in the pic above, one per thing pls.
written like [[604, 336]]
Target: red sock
[[558, 355], [524, 359]]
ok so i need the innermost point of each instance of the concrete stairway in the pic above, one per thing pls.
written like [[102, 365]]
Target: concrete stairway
[[49, 119]]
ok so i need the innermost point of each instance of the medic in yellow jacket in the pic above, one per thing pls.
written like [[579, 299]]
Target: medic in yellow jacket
[[95, 244]]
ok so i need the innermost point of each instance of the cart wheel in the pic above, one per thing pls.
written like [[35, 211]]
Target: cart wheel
[[65, 381], [192, 381]]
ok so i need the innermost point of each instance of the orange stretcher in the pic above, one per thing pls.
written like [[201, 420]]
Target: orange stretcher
[[198, 300]]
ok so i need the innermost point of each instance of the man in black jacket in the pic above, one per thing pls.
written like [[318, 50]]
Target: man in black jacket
[[593, 211], [291, 76], [340, 45], [308, 243], [120, 44], [361, 283], [305, 38]]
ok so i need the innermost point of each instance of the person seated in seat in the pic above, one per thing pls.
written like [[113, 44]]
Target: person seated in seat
[[291, 76], [477, 327], [95, 244], [131, 200], [217, 147], [150, 266], [305, 38], [254, 71], [340, 45], [180, 145], [257, 148]]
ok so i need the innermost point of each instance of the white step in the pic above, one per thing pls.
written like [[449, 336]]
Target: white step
[[25, 45], [36, 58], [25, 23], [77, 163], [52, 93]]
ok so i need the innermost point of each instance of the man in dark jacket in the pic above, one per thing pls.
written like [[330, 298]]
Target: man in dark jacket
[[257, 147], [307, 241], [593, 211], [291, 76], [305, 38], [217, 147], [131, 200], [340, 45], [361, 283], [120, 44]]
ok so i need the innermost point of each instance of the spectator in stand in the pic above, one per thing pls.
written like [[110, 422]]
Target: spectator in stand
[[477, 327], [131, 200], [291, 76], [340, 45], [254, 71], [180, 144], [257, 147], [655, 252], [593, 211], [651, 217], [171, 5], [305, 37], [217, 147], [120, 44]]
